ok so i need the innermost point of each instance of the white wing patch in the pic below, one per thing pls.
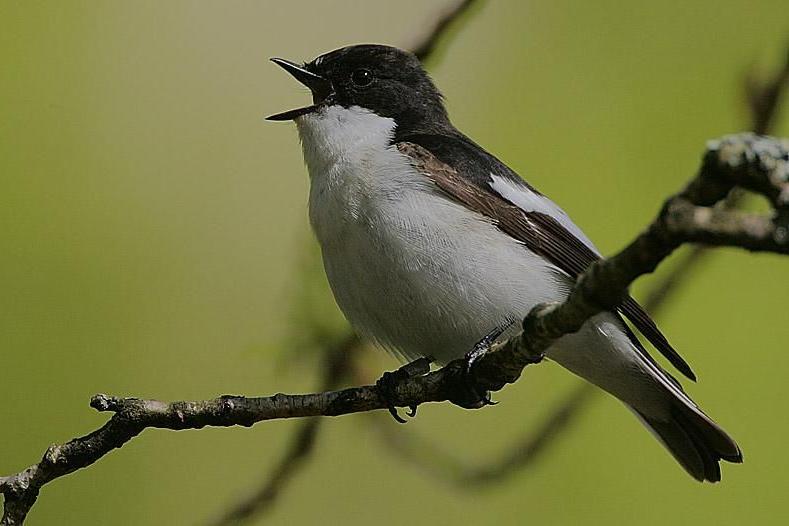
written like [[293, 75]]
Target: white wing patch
[[529, 201]]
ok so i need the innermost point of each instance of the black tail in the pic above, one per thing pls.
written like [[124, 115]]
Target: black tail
[[697, 442]]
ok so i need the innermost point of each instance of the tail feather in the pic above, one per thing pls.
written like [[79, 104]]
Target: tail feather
[[697, 442]]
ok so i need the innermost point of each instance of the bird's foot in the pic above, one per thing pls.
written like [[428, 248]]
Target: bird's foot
[[387, 383], [471, 396]]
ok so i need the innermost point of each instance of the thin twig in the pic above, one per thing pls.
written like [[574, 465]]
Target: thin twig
[[426, 45], [764, 96]]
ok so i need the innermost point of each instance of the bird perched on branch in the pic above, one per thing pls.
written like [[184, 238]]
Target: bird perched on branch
[[433, 247]]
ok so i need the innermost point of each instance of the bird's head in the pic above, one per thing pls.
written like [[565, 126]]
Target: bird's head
[[383, 80]]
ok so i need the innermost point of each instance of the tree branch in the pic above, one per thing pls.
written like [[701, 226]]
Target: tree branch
[[763, 99], [426, 46], [759, 164]]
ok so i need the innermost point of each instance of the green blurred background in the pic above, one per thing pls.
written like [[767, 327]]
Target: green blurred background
[[152, 228]]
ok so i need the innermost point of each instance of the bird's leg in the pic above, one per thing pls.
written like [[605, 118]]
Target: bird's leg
[[472, 398], [388, 381]]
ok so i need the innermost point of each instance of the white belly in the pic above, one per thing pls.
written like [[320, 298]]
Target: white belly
[[423, 276], [411, 269]]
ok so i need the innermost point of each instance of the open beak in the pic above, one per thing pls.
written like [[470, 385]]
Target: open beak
[[319, 86]]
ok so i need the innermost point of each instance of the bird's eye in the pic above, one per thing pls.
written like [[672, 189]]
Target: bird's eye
[[362, 77]]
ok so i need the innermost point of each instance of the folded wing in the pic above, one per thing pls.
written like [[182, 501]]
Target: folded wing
[[545, 228]]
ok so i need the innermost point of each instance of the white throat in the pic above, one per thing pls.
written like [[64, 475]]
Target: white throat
[[335, 134]]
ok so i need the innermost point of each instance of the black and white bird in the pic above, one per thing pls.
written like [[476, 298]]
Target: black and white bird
[[430, 242]]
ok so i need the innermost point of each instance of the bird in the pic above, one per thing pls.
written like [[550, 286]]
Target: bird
[[432, 245]]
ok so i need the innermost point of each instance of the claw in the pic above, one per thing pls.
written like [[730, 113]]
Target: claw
[[386, 385], [399, 419], [472, 398]]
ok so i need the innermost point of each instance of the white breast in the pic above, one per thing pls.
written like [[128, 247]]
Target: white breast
[[411, 269]]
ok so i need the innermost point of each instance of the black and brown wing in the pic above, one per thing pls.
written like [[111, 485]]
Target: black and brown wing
[[541, 233]]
